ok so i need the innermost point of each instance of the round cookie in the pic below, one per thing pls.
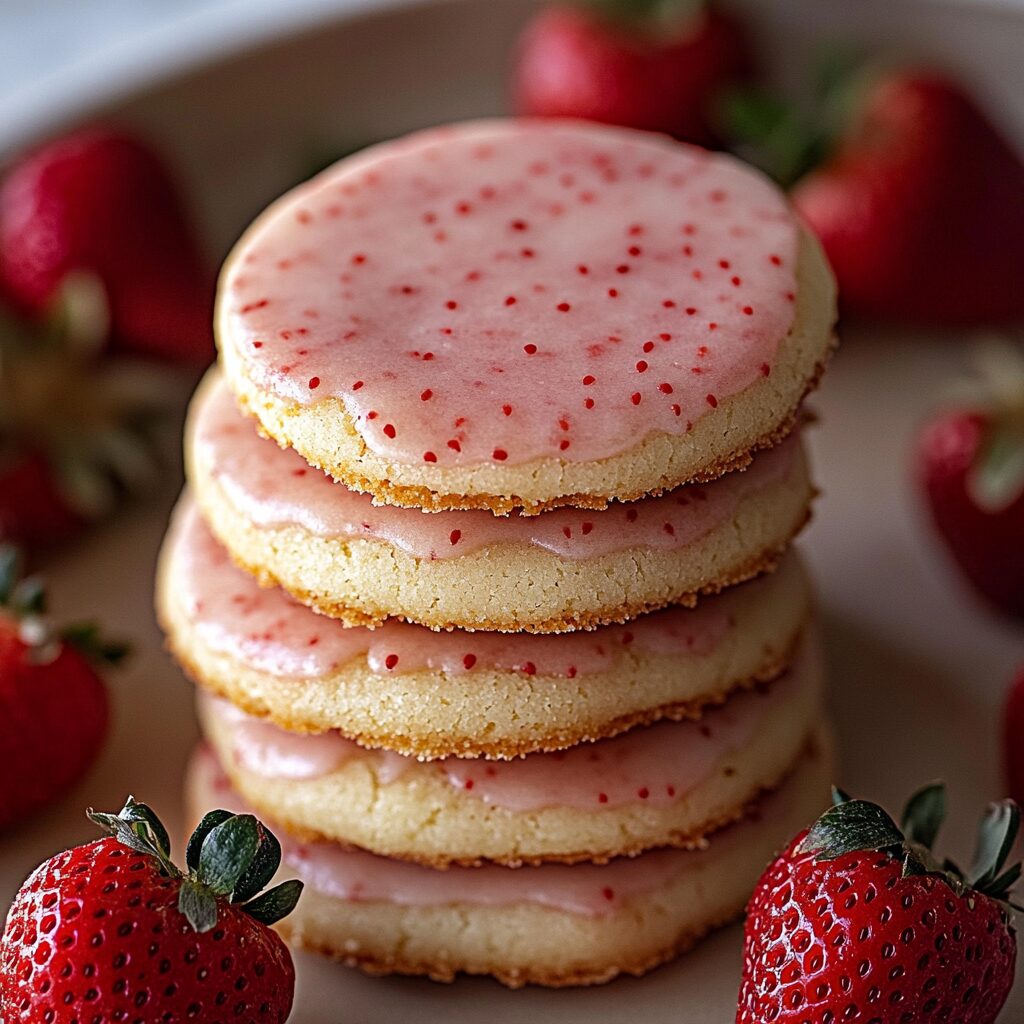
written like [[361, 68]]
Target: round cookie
[[551, 925], [509, 314], [663, 785], [292, 526], [431, 694]]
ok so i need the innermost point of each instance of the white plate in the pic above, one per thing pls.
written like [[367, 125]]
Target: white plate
[[918, 667]]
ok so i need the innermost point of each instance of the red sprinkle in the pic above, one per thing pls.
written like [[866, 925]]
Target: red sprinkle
[[665, 388], [635, 398], [469, 661], [429, 457], [712, 401], [530, 348], [643, 792], [389, 430], [426, 395], [455, 536], [507, 410], [608, 893], [602, 798], [314, 383], [391, 661], [530, 669], [641, 366], [500, 454]]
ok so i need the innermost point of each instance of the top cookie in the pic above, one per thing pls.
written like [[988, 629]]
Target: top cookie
[[526, 314]]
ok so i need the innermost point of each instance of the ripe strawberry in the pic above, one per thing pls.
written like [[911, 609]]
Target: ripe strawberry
[[970, 469], [919, 207], [33, 512], [1013, 738], [101, 201], [856, 923], [113, 931], [651, 64], [53, 705], [76, 432]]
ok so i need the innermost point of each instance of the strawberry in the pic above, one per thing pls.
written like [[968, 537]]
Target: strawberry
[[77, 432], [1013, 737], [856, 923], [33, 512], [653, 64], [101, 201], [53, 704], [113, 931], [970, 470]]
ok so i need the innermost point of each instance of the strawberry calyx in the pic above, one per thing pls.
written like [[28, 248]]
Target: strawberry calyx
[[786, 139], [23, 599], [92, 418], [996, 477], [229, 857], [651, 17], [850, 826]]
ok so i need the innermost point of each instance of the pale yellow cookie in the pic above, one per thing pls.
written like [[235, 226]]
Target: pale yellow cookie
[[290, 525], [469, 694], [551, 925], [583, 314], [662, 785]]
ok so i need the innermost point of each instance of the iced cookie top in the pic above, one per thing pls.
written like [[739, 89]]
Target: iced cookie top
[[500, 292]]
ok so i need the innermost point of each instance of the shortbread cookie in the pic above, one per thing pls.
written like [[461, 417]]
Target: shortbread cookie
[[432, 694], [291, 525], [502, 314], [662, 785], [550, 925]]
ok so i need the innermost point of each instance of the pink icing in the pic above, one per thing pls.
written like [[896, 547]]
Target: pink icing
[[655, 765], [591, 890], [504, 291], [276, 487], [270, 631]]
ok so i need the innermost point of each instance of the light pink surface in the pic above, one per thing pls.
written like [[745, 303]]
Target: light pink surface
[[276, 487], [657, 765], [503, 291], [271, 632]]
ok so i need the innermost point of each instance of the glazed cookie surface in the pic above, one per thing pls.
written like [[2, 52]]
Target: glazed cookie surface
[[669, 784], [502, 314], [549, 925], [291, 525], [433, 694]]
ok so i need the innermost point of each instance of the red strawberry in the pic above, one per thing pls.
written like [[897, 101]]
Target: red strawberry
[[33, 512], [76, 432], [920, 207], [1013, 738], [970, 469], [101, 201], [53, 705], [113, 931], [647, 65], [856, 923]]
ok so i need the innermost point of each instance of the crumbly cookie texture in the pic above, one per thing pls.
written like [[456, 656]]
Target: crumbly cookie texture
[[417, 811], [522, 943], [490, 711], [505, 587], [720, 441]]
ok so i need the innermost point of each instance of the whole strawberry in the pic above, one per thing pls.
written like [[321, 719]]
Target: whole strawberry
[[970, 471], [101, 201], [919, 207], [53, 704], [857, 923], [113, 931], [658, 65]]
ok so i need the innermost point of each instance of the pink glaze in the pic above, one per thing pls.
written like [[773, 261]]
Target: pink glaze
[[269, 631], [655, 765], [505, 291], [276, 487], [590, 890]]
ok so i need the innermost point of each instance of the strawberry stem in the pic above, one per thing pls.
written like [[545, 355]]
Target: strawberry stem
[[229, 856]]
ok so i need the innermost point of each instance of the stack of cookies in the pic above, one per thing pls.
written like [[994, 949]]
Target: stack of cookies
[[483, 571]]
